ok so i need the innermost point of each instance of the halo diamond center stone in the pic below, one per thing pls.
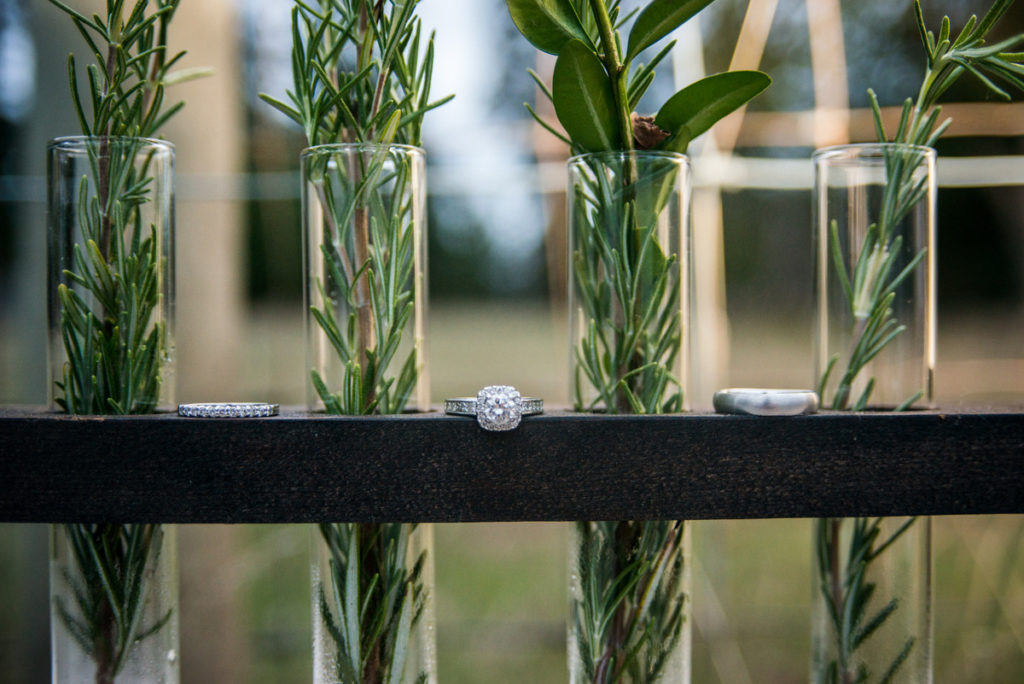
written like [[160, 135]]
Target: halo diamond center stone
[[499, 408]]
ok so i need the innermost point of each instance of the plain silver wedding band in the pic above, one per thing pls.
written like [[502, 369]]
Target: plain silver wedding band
[[766, 402]]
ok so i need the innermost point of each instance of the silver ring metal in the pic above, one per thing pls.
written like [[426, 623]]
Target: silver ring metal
[[231, 409], [497, 408], [765, 402]]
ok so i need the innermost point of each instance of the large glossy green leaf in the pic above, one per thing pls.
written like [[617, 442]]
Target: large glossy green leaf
[[547, 24], [583, 98], [698, 106], [659, 19]]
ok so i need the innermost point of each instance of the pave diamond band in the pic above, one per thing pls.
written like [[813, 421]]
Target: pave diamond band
[[497, 408], [228, 410], [466, 406]]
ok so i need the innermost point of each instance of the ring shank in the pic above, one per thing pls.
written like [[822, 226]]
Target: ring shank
[[461, 406]]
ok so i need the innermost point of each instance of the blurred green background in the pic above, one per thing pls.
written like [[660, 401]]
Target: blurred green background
[[497, 315]]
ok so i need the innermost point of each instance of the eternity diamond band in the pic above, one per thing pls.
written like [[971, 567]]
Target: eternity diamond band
[[497, 408], [228, 410]]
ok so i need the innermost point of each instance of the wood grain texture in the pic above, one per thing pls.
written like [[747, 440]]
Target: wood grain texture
[[560, 466]]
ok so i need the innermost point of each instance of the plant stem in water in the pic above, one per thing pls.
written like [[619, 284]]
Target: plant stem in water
[[835, 572], [372, 552], [364, 308], [106, 637]]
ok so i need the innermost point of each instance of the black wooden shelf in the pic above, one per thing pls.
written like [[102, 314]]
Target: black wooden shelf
[[302, 467]]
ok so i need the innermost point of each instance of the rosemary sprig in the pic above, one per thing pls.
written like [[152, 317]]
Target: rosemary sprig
[[114, 349], [629, 619], [376, 602], [115, 345], [108, 580], [370, 383], [114, 353], [848, 594], [362, 74], [870, 281], [869, 284], [628, 288]]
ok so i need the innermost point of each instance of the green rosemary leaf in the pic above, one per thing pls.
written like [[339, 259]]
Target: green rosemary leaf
[[879, 346], [880, 129], [979, 74], [328, 615], [943, 39], [351, 598], [924, 130], [79, 630], [644, 76], [862, 402], [901, 657], [926, 36], [1007, 71], [137, 25], [982, 52], [637, 87], [77, 16], [909, 401], [839, 262], [990, 18], [76, 98], [174, 60], [823, 382], [402, 640], [893, 537], [905, 273], [901, 128], [416, 115], [630, 395], [539, 82]]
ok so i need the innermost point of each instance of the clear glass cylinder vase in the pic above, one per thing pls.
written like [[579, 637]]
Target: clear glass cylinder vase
[[875, 222], [373, 593], [629, 266], [872, 608], [110, 253], [113, 604], [364, 248]]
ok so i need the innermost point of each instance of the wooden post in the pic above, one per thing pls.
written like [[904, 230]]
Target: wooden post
[[209, 136]]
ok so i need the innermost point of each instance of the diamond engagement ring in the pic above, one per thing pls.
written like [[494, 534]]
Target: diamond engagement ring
[[228, 410], [497, 408]]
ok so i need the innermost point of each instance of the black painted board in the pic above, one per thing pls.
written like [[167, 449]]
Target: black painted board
[[560, 466]]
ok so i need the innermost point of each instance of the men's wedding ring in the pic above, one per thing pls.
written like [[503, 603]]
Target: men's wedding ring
[[766, 402]]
